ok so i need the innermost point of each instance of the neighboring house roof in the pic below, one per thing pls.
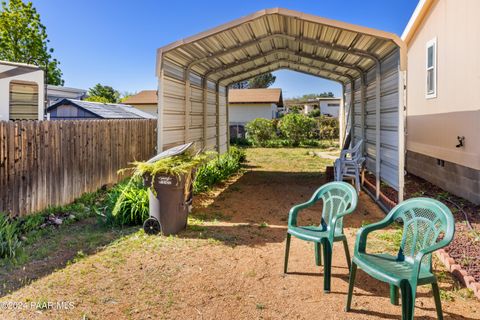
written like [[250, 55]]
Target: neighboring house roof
[[416, 20], [57, 93], [143, 97], [105, 110], [255, 96], [60, 89]]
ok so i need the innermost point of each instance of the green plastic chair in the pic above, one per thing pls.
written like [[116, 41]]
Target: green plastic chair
[[428, 225], [339, 199]]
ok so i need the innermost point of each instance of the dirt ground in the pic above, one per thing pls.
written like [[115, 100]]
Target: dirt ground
[[229, 263]]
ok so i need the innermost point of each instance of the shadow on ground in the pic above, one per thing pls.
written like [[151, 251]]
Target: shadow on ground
[[55, 248]]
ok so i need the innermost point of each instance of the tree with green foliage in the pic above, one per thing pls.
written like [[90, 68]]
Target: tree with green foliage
[[101, 93], [23, 38], [240, 85], [262, 81], [125, 95], [260, 131], [97, 99], [297, 127], [309, 97]]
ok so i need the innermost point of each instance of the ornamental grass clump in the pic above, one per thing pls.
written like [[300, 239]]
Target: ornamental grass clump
[[9, 242], [131, 199], [175, 166]]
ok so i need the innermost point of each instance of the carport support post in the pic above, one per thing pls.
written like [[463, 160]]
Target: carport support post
[[378, 82], [228, 118], [402, 87], [160, 107], [217, 115], [363, 109], [352, 111], [205, 112], [340, 117], [188, 105]]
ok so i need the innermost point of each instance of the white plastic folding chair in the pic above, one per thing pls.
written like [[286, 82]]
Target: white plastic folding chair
[[349, 165]]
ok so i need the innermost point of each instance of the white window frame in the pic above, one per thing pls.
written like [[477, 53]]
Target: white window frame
[[434, 67]]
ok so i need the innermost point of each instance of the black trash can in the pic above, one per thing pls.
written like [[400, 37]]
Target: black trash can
[[170, 198]]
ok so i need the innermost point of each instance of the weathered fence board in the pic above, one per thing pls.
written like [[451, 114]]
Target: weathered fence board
[[49, 163]]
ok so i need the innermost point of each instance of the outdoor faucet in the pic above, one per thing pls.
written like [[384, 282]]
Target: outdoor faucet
[[461, 141]]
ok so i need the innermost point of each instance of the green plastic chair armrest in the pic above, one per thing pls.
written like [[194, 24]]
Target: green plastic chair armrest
[[292, 216], [362, 234]]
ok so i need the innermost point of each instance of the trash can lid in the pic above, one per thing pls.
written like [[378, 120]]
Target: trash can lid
[[175, 151]]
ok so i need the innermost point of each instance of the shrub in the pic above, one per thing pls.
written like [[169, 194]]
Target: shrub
[[9, 242], [314, 113], [218, 169], [328, 128], [297, 127], [240, 142], [127, 204], [260, 130]]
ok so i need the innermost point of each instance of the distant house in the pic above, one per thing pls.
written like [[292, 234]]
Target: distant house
[[21, 91], [328, 106], [57, 93], [244, 105], [71, 109], [145, 100]]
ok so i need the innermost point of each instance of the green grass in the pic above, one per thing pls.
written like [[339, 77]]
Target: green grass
[[296, 160], [263, 225]]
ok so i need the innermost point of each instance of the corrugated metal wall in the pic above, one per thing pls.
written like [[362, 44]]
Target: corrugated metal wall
[[184, 102], [365, 121]]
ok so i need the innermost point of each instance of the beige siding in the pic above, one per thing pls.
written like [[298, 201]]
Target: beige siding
[[149, 108], [243, 113], [434, 124]]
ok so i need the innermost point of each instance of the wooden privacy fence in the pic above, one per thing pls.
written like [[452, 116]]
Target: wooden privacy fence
[[49, 163]]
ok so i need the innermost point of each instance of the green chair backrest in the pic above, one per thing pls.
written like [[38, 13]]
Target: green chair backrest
[[425, 222], [338, 198]]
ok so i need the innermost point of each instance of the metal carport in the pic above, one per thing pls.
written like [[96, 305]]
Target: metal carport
[[194, 75]]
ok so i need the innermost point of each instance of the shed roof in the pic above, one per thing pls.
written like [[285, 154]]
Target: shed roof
[[105, 110], [279, 38], [143, 97], [273, 95]]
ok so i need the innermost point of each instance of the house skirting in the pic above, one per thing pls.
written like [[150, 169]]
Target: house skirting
[[454, 178]]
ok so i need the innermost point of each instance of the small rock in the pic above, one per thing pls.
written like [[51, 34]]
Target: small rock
[[23, 238], [469, 282], [58, 221], [72, 217]]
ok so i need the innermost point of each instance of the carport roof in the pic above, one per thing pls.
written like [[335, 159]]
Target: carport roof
[[278, 38]]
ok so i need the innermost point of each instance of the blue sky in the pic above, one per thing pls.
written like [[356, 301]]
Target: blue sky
[[113, 42]]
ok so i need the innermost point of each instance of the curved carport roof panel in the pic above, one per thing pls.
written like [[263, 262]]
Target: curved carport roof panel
[[194, 75]]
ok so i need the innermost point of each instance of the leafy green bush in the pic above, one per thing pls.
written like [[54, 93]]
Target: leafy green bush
[[314, 113], [126, 204], [260, 130], [240, 142], [218, 169], [9, 242], [328, 128], [297, 127]]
